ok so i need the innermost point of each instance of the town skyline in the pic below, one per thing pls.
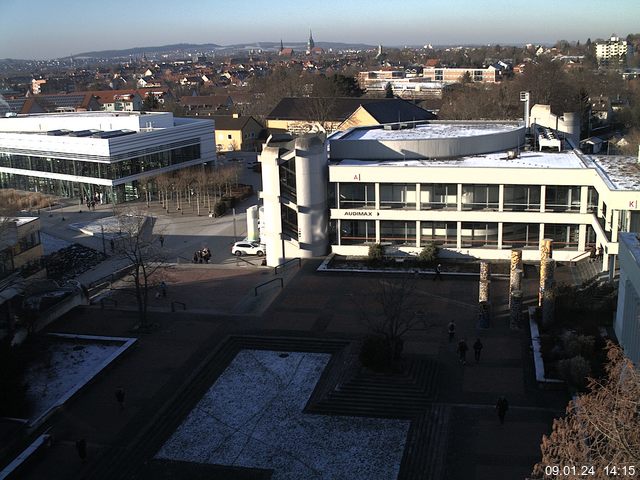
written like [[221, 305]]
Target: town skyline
[[76, 30]]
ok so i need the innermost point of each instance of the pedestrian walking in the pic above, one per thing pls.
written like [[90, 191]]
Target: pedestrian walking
[[600, 252], [163, 289], [81, 448], [592, 253], [477, 348], [502, 405], [112, 244], [451, 329], [462, 351], [438, 272], [120, 397], [161, 241], [195, 257]]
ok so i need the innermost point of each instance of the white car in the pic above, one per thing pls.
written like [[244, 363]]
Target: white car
[[248, 248]]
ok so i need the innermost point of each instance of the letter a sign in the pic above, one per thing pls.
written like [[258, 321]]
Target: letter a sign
[[356, 177]]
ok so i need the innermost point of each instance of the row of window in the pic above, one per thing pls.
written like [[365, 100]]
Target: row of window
[[445, 196], [445, 234], [110, 171]]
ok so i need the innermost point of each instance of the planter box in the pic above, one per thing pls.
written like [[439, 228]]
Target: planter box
[[543, 382]]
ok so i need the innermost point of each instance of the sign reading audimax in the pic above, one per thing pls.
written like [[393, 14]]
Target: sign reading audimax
[[360, 213]]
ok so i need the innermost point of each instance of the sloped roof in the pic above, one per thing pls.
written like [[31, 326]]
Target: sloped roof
[[401, 111], [339, 109], [228, 122]]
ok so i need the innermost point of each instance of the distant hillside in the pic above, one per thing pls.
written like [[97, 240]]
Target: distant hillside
[[140, 50], [193, 47]]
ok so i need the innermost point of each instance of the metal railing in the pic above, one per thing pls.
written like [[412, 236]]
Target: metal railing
[[286, 262], [255, 290]]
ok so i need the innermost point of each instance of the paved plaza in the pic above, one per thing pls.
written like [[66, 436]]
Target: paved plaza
[[219, 300]]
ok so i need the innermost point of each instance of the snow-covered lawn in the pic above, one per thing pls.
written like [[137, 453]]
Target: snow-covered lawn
[[64, 368], [252, 417]]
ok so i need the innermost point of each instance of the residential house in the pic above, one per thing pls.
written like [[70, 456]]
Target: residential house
[[19, 243], [206, 104], [234, 132]]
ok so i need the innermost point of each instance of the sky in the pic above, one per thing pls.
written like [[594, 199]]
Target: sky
[[43, 29]]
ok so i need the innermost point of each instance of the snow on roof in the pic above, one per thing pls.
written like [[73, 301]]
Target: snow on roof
[[560, 160], [432, 130], [619, 171]]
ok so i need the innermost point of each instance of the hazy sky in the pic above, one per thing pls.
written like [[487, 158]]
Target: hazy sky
[[48, 29]]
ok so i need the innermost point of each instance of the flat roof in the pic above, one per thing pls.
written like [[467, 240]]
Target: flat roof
[[531, 159], [619, 171], [432, 129]]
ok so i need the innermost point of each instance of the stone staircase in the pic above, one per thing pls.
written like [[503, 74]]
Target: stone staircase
[[371, 394], [424, 455], [586, 271]]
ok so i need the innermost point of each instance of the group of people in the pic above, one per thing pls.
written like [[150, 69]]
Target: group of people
[[92, 200], [202, 255], [596, 254]]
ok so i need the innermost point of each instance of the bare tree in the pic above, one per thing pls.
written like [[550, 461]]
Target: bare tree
[[601, 428], [393, 312], [137, 244]]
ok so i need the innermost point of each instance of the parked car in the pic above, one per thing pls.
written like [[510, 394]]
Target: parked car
[[248, 248]]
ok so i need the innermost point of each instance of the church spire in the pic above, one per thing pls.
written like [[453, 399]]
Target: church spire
[[310, 44], [281, 46]]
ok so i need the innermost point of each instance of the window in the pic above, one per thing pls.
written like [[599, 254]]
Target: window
[[563, 235], [520, 235], [289, 222], [480, 197], [562, 199], [439, 196], [230, 137], [398, 195], [357, 195], [357, 232], [398, 232], [288, 179], [479, 234], [522, 198], [439, 233]]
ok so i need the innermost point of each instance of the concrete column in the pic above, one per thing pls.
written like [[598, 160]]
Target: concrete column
[[485, 282], [500, 230], [458, 235], [515, 311], [615, 224], [418, 199], [547, 290], [377, 190], [459, 198], [582, 238], [377, 229], [501, 198], [584, 196], [545, 255], [543, 197], [418, 243], [515, 279], [484, 315]]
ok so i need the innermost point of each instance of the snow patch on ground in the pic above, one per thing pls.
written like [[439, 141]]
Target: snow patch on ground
[[252, 417], [67, 365]]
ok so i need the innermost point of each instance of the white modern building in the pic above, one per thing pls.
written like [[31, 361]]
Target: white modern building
[[627, 325], [107, 153], [613, 51], [472, 188]]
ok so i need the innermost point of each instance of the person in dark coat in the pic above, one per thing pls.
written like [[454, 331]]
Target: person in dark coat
[[502, 405], [477, 348], [462, 351], [438, 273], [81, 448], [120, 397], [451, 330]]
